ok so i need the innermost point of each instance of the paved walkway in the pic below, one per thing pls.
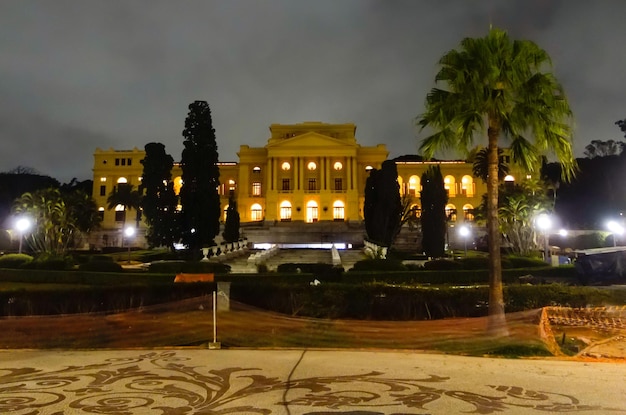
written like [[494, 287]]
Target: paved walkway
[[200, 381]]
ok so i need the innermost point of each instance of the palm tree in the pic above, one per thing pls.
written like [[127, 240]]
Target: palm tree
[[497, 84], [125, 195], [480, 165]]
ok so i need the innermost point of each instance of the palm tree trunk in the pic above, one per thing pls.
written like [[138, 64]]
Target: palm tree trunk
[[496, 322]]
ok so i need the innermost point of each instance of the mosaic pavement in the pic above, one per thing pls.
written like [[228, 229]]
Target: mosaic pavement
[[187, 381]]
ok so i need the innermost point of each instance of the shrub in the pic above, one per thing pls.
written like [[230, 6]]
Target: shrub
[[523, 262], [474, 263], [14, 260], [442, 264], [100, 266], [50, 262], [379, 265], [192, 267]]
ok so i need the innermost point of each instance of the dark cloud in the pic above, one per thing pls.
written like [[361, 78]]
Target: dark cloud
[[77, 75]]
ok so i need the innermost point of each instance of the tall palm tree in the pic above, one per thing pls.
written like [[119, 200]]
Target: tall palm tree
[[498, 85], [124, 194]]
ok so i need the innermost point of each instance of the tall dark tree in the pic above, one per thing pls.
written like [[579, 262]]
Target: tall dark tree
[[382, 210], [233, 221], [501, 87], [434, 221], [622, 125], [200, 174], [15, 183], [159, 200], [599, 148]]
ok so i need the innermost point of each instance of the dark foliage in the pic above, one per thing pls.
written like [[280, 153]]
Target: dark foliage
[[594, 195], [382, 210], [159, 200], [231, 227], [200, 174], [191, 267], [378, 265], [434, 199], [15, 183], [100, 266]]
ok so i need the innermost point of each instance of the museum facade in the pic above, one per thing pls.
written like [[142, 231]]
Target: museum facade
[[306, 184]]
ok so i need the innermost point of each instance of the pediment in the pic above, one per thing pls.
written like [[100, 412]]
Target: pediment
[[312, 140]]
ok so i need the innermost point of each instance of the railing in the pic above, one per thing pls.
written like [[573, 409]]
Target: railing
[[224, 249]]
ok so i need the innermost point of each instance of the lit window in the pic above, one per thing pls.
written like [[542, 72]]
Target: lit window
[[338, 166], [256, 189], [368, 168], [311, 166], [467, 186], [509, 178], [256, 212], [122, 180], [338, 210], [231, 184], [449, 185], [178, 183], [285, 211], [103, 179], [311, 211], [468, 213], [256, 169], [286, 166], [414, 185], [451, 213]]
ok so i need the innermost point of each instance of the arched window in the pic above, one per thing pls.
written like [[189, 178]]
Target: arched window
[[368, 168], [285, 211], [311, 166], [256, 212], [468, 213], [338, 210], [120, 213], [450, 185], [467, 186], [451, 212], [338, 166], [311, 211], [414, 186], [286, 166], [122, 180], [509, 181], [256, 169]]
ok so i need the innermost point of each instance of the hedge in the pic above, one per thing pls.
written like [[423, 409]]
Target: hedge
[[177, 267], [14, 260], [384, 302]]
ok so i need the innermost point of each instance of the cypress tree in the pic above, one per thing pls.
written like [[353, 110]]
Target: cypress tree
[[199, 196]]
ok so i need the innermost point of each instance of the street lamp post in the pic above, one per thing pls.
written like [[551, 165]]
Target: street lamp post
[[464, 232], [22, 225], [616, 228], [544, 223], [129, 232]]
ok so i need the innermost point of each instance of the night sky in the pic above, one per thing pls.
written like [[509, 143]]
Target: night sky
[[81, 74]]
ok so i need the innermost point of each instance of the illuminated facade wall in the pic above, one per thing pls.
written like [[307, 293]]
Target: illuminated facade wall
[[306, 173]]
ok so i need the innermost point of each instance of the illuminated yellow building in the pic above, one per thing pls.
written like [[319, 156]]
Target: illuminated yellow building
[[306, 184]]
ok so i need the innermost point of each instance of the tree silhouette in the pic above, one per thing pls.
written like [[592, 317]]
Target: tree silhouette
[[200, 174], [498, 85]]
